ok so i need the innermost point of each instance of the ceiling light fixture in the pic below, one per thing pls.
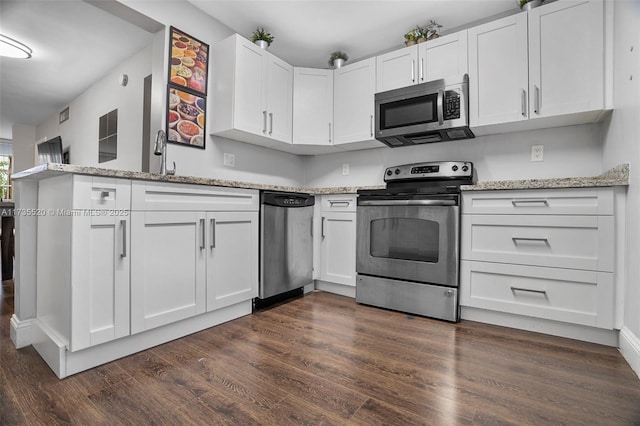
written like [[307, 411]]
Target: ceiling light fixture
[[12, 48]]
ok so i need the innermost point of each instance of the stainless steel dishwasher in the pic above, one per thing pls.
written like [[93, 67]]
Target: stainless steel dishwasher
[[286, 244]]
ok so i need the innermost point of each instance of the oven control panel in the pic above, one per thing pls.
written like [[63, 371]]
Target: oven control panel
[[441, 170]]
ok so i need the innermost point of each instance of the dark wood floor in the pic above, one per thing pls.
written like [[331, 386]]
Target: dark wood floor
[[323, 359]]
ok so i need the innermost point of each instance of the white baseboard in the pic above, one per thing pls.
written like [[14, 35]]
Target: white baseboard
[[341, 289], [538, 325], [630, 348], [21, 332]]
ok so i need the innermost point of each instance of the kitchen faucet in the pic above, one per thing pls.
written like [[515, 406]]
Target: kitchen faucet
[[160, 148]]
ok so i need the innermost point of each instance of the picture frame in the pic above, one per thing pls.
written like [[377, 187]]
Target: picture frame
[[186, 117], [188, 62]]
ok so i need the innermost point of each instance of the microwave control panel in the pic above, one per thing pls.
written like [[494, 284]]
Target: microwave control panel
[[451, 104]]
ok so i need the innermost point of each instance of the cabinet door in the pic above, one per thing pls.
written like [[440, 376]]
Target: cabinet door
[[99, 260], [100, 279], [498, 71], [168, 275], [354, 87], [250, 101], [338, 248], [279, 98], [312, 106], [232, 258], [566, 62], [396, 69], [443, 57]]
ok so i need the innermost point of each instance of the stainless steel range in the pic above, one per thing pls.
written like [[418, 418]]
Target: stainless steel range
[[408, 253]]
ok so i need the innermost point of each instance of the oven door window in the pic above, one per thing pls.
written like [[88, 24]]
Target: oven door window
[[405, 239], [408, 112]]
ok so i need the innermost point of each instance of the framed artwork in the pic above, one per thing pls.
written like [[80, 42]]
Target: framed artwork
[[186, 119], [189, 62], [187, 89]]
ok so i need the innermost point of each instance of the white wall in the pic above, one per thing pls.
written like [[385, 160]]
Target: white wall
[[622, 144], [80, 132], [252, 163], [24, 138], [568, 152]]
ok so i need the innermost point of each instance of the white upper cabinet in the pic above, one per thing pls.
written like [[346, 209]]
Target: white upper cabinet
[[547, 63], [566, 58], [498, 71], [252, 97], [354, 87], [399, 68], [312, 106], [444, 56], [432, 60]]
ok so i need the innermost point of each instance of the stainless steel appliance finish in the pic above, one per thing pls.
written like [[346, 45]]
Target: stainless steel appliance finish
[[286, 242], [408, 239], [429, 112]]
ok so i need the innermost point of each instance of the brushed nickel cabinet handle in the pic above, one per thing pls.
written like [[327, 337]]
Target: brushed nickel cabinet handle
[[322, 228], [270, 123], [528, 290], [123, 226], [202, 236], [264, 121], [542, 240], [421, 69], [536, 100], [413, 70], [523, 99], [329, 132], [530, 203], [213, 233], [371, 125]]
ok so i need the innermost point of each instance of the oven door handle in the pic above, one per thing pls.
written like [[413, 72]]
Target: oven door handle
[[407, 203]]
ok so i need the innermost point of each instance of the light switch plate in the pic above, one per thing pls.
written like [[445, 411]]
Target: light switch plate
[[229, 160], [537, 152]]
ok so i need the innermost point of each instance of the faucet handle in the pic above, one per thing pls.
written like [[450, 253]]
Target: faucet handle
[[172, 171]]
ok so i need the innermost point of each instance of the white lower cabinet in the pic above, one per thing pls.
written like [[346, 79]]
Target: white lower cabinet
[[540, 253], [232, 258], [338, 239], [195, 250], [83, 259], [168, 275]]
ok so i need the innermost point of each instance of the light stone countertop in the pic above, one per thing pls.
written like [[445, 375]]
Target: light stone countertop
[[618, 176]]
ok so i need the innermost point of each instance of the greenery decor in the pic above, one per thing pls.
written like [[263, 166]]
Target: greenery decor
[[261, 34], [338, 55], [522, 3]]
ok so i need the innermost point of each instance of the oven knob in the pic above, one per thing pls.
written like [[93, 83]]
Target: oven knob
[[454, 168], [397, 171], [465, 168], [389, 172]]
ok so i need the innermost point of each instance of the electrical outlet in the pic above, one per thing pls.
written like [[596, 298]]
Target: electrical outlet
[[537, 152], [345, 169], [229, 160]]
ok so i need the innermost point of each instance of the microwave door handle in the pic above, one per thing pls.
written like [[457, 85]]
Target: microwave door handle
[[440, 107], [407, 203]]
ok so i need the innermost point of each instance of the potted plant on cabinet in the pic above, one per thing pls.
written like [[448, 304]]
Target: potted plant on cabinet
[[529, 4], [410, 38], [262, 38], [337, 59], [432, 30]]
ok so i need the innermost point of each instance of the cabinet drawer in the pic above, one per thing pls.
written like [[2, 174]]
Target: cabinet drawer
[[162, 196], [339, 203], [579, 297], [577, 242], [101, 193], [575, 201]]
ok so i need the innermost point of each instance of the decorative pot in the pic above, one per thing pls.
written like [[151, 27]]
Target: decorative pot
[[409, 42], [338, 63], [421, 40], [263, 44], [530, 5]]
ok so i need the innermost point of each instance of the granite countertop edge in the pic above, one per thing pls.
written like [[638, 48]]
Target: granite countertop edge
[[618, 176]]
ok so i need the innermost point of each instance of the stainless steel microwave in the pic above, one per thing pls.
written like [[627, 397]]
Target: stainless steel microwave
[[435, 111]]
